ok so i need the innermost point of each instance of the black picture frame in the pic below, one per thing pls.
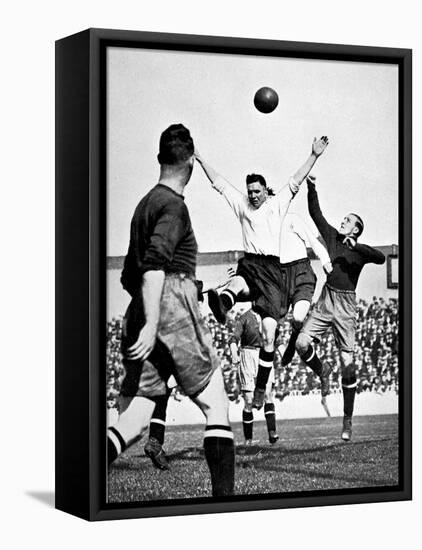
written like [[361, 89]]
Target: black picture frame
[[81, 268]]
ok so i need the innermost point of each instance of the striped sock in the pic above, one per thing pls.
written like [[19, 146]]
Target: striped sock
[[247, 418], [269, 411], [115, 444], [312, 360], [266, 359], [219, 454], [157, 424], [228, 298], [349, 391]]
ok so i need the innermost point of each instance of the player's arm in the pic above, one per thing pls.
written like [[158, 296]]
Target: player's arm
[[289, 191], [327, 231], [232, 195], [319, 249], [169, 229], [370, 255], [318, 147], [152, 288]]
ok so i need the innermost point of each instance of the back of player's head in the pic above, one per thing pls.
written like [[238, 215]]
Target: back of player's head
[[176, 145], [252, 178], [359, 224]]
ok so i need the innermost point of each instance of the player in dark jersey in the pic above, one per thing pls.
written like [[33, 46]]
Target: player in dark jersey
[[163, 331], [336, 306], [244, 346]]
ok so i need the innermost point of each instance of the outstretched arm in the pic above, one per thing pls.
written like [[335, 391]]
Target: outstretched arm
[[289, 191], [232, 195], [318, 147], [326, 230]]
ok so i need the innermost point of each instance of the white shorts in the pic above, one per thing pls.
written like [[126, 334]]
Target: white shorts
[[248, 369]]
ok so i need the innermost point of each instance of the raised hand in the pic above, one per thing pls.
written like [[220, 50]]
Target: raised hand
[[319, 146]]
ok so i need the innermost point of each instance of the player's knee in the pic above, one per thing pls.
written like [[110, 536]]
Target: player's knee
[[269, 397], [300, 311], [302, 344], [346, 358], [248, 399]]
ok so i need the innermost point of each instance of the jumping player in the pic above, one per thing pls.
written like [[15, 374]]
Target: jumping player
[[163, 331], [259, 276], [300, 280], [336, 306], [244, 347]]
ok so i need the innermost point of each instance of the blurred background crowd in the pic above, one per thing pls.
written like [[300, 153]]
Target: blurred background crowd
[[375, 355]]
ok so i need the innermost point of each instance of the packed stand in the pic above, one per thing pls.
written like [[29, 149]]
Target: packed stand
[[375, 355]]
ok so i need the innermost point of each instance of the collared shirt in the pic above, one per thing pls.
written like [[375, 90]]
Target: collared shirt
[[260, 226]]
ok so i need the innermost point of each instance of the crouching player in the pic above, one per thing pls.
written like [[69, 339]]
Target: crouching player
[[336, 306]]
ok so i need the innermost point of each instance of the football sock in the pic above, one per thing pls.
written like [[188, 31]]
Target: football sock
[[157, 424], [115, 444], [349, 391], [219, 454], [312, 360], [247, 418], [291, 346], [266, 359], [228, 299], [269, 411]]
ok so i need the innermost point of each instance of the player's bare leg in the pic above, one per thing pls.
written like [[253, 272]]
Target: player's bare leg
[[221, 304], [306, 349], [218, 437], [134, 418], [266, 361], [349, 384], [270, 418], [300, 311]]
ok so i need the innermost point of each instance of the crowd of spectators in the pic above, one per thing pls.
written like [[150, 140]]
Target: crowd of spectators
[[375, 354]]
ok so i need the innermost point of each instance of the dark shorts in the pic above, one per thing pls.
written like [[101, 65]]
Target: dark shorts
[[264, 277], [336, 309], [184, 345], [299, 283]]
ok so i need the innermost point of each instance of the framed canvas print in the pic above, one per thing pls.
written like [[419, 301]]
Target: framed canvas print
[[233, 279]]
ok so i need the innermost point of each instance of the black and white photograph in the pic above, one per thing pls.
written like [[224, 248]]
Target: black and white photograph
[[252, 276]]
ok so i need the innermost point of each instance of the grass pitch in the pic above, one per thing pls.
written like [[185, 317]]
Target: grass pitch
[[309, 456]]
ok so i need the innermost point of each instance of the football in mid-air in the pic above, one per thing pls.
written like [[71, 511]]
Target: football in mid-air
[[266, 100]]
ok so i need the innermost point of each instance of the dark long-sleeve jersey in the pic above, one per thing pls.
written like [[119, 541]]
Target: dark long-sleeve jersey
[[247, 330], [347, 263], [161, 238]]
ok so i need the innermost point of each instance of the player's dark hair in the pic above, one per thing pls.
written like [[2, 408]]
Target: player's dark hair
[[359, 224], [252, 178], [176, 145]]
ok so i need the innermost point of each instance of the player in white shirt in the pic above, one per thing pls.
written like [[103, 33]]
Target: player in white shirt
[[259, 276], [299, 280]]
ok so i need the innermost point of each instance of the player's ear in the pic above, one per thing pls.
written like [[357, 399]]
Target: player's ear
[[355, 231]]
